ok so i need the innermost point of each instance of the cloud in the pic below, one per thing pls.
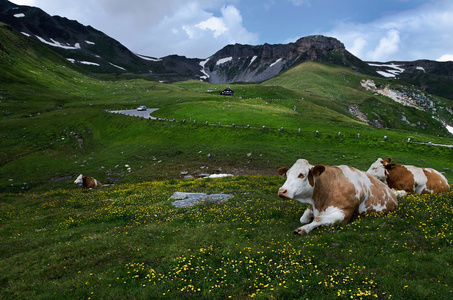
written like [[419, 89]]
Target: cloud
[[25, 2], [214, 24], [420, 33], [194, 28], [446, 57], [358, 45], [387, 47], [198, 33], [300, 2]]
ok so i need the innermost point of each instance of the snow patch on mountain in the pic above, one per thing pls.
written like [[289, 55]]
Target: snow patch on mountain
[[449, 128], [148, 58], [253, 59], [121, 68], [202, 65], [276, 62], [224, 60], [58, 44], [83, 62], [391, 70]]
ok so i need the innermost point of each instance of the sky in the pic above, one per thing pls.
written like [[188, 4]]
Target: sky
[[372, 30]]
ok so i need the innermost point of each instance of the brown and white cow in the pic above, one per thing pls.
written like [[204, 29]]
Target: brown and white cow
[[335, 193], [87, 182], [413, 180]]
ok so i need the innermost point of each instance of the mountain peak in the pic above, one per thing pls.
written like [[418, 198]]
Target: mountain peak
[[256, 63], [320, 42]]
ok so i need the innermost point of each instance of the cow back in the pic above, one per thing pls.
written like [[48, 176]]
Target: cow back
[[435, 182]]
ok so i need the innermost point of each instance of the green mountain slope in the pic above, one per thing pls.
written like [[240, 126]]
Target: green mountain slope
[[54, 124], [340, 89], [32, 76]]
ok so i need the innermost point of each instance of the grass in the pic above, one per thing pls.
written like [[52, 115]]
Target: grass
[[101, 144], [129, 241]]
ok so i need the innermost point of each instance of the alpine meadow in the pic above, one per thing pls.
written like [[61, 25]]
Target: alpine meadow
[[127, 240]]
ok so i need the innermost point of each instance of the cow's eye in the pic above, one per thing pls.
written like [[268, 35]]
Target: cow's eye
[[301, 175]]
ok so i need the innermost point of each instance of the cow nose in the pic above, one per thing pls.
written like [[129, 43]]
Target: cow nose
[[283, 193]]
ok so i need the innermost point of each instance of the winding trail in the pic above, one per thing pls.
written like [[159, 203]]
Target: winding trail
[[136, 113]]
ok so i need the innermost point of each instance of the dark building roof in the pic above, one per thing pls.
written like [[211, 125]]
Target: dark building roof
[[227, 92]]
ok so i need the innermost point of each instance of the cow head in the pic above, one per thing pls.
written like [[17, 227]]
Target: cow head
[[388, 165], [379, 167], [300, 180], [79, 180]]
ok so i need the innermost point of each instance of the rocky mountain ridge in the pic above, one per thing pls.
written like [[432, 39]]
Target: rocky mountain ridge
[[236, 63], [96, 52]]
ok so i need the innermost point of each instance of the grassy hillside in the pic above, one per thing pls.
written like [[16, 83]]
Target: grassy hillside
[[128, 240]]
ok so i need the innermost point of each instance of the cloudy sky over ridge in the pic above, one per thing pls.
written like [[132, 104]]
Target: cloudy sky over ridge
[[373, 30]]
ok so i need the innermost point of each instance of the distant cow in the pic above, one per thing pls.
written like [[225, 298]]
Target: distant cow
[[411, 179], [335, 193], [87, 182]]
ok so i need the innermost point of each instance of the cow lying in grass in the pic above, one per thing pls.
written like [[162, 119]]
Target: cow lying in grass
[[411, 179], [335, 193], [87, 182]]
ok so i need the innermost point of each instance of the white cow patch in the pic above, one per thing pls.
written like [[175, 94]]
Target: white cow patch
[[307, 216], [419, 178], [331, 215], [360, 181], [377, 170], [79, 180]]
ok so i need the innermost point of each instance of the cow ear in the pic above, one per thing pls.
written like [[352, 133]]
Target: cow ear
[[387, 161], [282, 171], [318, 170], [311, 180], [390, 166]]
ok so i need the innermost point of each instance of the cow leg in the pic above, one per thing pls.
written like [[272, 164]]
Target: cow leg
[[330, 216], [307, 217]]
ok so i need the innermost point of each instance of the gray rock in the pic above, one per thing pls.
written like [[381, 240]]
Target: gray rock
[[190, 199]]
